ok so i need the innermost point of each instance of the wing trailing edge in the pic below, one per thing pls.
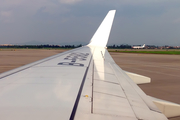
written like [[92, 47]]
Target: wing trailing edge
[[101, 36]]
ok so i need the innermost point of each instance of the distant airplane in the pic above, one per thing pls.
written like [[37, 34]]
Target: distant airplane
[[80, 84], [138, 47]]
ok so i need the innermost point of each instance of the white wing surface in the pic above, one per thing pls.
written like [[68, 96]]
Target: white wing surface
[[101, 36], [80, 84]]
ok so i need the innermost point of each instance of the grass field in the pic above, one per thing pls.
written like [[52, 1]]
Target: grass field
[[145, 51], [152, 51]]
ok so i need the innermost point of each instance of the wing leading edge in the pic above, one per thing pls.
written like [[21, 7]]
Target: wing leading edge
[[83, 83]]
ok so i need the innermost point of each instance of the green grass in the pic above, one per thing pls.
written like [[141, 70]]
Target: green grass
[[145, 51], [150, 52]]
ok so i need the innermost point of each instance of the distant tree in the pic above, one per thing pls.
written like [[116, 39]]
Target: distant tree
[[122, 46]]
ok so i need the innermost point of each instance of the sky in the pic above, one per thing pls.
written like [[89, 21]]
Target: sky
[[151, 22]]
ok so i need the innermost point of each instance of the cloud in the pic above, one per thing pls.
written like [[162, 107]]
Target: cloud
[[6, 16], [176, 20], [10, 3], [63, 20], [69, 1], [6, 13]]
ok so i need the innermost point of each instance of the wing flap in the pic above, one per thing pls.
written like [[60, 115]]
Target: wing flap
[[169, 109], [110, 105], [138, 79]]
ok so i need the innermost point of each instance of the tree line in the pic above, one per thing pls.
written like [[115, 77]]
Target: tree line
[[123, 46], [41, 46]]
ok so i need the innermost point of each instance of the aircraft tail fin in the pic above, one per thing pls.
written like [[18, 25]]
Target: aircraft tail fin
[[101, 36]]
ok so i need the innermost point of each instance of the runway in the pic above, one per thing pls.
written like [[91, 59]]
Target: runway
[[164, 70]]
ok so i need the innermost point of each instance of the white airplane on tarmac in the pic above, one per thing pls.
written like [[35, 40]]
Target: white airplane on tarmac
[[139, 47], [80, 84]]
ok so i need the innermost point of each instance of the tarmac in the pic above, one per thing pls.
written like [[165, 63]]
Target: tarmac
[[164, 70]]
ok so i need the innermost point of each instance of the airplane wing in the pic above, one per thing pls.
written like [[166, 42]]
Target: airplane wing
[[80, 84]]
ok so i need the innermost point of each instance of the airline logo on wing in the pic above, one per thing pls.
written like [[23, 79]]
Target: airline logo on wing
[[73, 57]]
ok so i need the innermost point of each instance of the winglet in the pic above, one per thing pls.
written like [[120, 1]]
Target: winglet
[[101, 36]]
